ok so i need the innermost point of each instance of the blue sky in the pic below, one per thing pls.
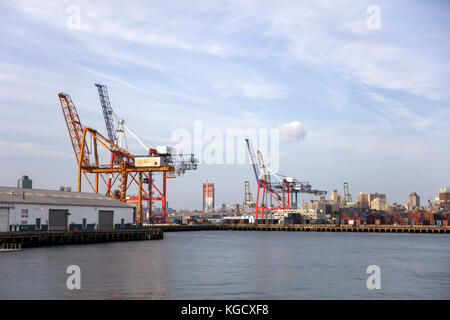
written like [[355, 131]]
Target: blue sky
[[374, 103]]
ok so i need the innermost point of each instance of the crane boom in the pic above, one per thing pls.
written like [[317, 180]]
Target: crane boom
[[107, 112], [74, 127], [253, 158]]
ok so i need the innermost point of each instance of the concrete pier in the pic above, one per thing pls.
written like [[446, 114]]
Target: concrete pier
[[308, 228], [51, 238], [337, 228]]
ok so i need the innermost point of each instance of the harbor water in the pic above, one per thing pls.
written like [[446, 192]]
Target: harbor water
[[236, 265]]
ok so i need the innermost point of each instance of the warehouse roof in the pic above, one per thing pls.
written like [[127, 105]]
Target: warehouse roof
[[56, 197]]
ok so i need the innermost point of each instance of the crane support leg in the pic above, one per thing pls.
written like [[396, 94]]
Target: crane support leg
[[139, 211], [163, 198]]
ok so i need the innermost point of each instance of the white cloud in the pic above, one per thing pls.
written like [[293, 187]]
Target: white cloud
[[334, 35], [251, 88], [8, 77], [331, 34], [397, 111], [389, 67], [292, 132], [137, 22]]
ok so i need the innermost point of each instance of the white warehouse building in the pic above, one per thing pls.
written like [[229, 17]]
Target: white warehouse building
[[38, 209]]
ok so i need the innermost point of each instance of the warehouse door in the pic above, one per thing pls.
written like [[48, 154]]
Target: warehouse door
[[105, 220], [4, 219], [57, 220]]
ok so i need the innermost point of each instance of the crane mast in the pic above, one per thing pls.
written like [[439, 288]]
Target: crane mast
[[253, 158], [107, 112], [347, 195]]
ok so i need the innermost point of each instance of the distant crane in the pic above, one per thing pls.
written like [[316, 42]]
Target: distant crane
[[347, 195], [281, 191]]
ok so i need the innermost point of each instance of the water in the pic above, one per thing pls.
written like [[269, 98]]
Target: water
[[236, 265]]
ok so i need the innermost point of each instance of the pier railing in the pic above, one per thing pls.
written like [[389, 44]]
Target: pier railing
[[11, 247], [50, 238]]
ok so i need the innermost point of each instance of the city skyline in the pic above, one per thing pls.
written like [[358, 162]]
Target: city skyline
[[369, 106], [362, 200]]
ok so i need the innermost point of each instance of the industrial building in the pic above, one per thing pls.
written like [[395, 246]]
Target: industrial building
[[413, 201], [37, 209], [444, 198], [374, 201], [25, 183], [208, 197], [335, 200], [362, 201], [316, 210]]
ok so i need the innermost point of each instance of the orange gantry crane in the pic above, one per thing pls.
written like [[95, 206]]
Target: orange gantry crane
[[127, 170], [181, 162]]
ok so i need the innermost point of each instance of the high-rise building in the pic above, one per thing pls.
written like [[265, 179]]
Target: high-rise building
[[362, 200], [25, 183], [335, 200], [335, 197], [413, 201], [208, 197], [378, 204], [377, 201], [444, 198]]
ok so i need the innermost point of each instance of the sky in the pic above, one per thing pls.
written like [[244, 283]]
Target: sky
[[358, 91]]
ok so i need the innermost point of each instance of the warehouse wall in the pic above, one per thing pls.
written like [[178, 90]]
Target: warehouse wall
[[77, 213]]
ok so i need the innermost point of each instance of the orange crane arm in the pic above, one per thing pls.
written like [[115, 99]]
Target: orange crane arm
[[74, 127]]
